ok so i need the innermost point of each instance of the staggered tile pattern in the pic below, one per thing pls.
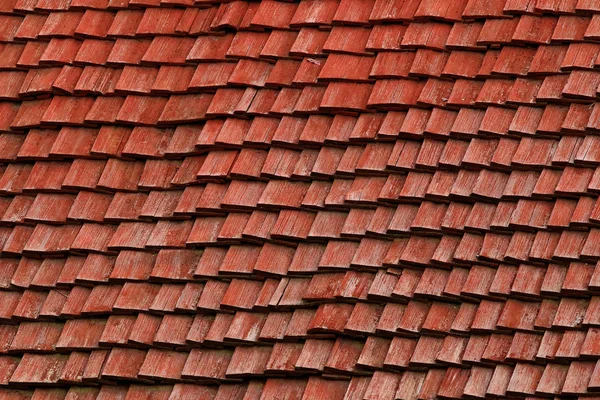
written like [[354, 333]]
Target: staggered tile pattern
[[355, 199]]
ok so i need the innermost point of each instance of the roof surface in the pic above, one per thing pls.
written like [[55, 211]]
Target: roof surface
[[356, 199]]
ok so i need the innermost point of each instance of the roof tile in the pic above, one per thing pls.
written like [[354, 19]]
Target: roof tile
[[261, 161], [463, 35]]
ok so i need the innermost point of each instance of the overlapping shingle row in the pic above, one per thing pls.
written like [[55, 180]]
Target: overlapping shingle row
[[355, 199]]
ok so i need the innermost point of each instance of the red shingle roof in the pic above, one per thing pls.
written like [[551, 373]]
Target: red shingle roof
[[340, 199]]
